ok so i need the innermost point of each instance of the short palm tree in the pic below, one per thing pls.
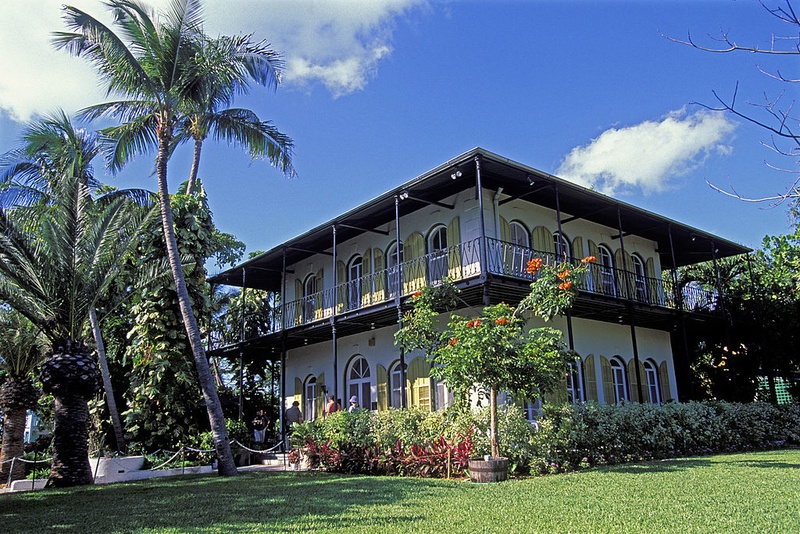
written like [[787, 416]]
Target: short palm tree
[[59, 255], [168, 84], [20, 354]]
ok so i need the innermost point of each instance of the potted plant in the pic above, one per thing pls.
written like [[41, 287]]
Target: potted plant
[[493, 350]]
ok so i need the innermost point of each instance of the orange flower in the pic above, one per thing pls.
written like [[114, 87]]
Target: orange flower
[[565, 285], [472, 324], [453, 342], [417, 295], [501, 320], [588, 259], [534, 265], [563, 274]]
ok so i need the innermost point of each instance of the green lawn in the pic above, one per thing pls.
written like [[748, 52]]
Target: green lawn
[[754, 492]]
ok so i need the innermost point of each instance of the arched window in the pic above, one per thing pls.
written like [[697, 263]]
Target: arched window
[[310, 390], [562, 247], [358, 382], [354, 273], [309, 290], [574, 383], [618, 377], [651, 377], [639, 278], [392, 271], [396, 386], [437, 254], [518, 235], [607, 271]]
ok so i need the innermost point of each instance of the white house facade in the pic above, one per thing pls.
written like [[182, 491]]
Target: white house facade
[[478, 219]]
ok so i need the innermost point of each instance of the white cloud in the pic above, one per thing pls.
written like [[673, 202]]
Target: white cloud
[[337, 42], [648, 156]]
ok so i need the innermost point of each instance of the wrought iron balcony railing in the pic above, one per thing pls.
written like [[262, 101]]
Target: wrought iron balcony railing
[[463, 261]]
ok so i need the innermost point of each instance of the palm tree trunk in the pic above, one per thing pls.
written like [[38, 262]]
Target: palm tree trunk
[[112, 403], [225, 463], [493, 422], [70, 442], [198, 146], [13, 445]]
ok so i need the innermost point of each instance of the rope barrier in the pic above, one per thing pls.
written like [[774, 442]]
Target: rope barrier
[[254, 450], [168, 461]]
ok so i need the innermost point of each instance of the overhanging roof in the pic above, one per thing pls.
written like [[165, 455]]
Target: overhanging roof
[[518, 181]]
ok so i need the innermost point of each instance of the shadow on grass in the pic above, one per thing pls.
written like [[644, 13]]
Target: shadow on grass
[[734, 460], [250, 502]]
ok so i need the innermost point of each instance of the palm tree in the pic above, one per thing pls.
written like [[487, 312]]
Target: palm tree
[[58, 257], [159, 73], [20, 353]]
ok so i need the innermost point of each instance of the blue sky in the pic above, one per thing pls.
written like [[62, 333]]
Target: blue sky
[[377, 92]]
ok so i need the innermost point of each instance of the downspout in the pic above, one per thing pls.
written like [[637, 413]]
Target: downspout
[[678, 296], [629, 304], [333, 324], [397, 302]]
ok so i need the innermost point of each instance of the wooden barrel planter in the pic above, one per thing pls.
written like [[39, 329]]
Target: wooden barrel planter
[[488, 469]]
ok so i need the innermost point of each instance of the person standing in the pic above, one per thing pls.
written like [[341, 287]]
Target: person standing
[[332, 406], [293, 415], [353, 404], [260, 423]]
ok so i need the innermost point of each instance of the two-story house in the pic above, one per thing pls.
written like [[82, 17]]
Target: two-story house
[[478, 219]]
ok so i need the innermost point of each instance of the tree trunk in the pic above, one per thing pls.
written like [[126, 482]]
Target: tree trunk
[[198, 146], [13, 445], [225, 463], [493, 422], [110, 400], [70, 442]]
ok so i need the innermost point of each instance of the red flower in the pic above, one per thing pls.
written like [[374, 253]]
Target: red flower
[[534, 265], [501, 320], [472, 324], [417, 295], [563, 274], [588, 259], [565, 285]]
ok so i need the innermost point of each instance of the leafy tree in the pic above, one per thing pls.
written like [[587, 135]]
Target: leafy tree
[[156, 67], [493, 350], [57, 259], [20, 354]]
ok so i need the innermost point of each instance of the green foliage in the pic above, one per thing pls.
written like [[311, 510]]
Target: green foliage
[[165, 404]]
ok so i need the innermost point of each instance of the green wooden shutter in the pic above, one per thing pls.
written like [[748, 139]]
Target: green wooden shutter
[[591, 378], [298, 391], [341, 288], [608, 381], [319, 309], [596, 275], [319, 402], [419, 383], [663, 371], [413, 263], [366, 280], [578, 254], [298, 302], [381, 379], [653, 293], [633, 382], [380, 276], [624, 273], [454, 249], [506, 251], [505, 230], [543, 240]]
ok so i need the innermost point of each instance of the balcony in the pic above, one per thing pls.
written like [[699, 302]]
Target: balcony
[[462, 263]]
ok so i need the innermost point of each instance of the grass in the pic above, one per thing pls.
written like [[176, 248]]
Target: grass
[[753, 492]]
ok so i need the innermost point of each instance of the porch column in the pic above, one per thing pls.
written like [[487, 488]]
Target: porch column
[[241, 347], [484, 251], [628, 286], [333, 324], [685, 383], [570, 335], [397, 294], [281, 407]]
